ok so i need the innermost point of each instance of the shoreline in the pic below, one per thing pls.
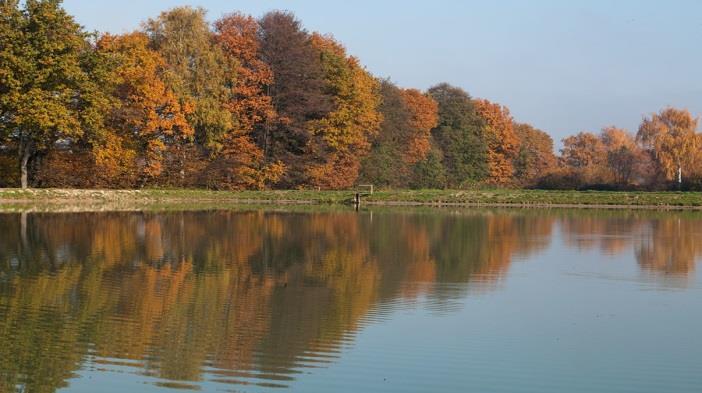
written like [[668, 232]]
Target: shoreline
[[503, 198]]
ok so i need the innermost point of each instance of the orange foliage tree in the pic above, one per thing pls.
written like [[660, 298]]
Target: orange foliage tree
[[424, 116], [612, 157], [240, 162], [502, 142], [626, 162], [237, 35], [585, 154], [535, 157], [149, 119], [615, 138], [582, 150]]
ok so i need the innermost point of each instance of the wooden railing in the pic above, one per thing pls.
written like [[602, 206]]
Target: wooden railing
[[368, 187]]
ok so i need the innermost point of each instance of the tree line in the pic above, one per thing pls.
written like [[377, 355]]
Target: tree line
[[254, 103], [664, 154]]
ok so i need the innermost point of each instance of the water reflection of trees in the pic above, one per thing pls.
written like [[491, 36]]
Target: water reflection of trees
[[248, 293], [254, 295], [670, 246], [663, 242]]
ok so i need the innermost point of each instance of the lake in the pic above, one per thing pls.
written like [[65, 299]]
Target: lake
[[331, 300]]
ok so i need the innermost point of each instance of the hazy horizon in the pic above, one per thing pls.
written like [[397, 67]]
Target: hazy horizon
[[563, 68]]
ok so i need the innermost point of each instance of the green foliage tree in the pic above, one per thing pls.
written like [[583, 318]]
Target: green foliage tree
[[429, 173], [384, 166], [404, 139], [459, 135], [50, 81], [197, 71]]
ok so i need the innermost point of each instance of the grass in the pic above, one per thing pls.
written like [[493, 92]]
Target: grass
[[496, 197], [543, 197]]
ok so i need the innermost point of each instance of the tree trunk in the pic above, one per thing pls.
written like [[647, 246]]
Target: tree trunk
[[24, 160], [679, 175]]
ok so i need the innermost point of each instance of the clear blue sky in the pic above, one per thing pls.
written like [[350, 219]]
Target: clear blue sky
[[563, 66]]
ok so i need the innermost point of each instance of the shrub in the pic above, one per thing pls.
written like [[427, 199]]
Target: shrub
[[561, 179]]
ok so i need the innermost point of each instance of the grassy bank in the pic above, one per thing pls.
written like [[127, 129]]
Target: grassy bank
[[396, 197]]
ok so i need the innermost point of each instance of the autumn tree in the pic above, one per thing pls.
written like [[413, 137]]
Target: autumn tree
[[536, 155], [238, 37], [298, 92], [48, 89], [240, 163], [150, 117], [459, 136], [625, 160], [404, 139], [384, 166], [623, 163], [202, 69], [197, 70], [614, 138], [341, 138], [423, 117], [612, 157], [583, 150], [421, 152], [13, 60], [501, 140], [671, 138]]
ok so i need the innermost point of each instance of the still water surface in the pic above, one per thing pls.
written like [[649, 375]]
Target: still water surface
[[337, 301]]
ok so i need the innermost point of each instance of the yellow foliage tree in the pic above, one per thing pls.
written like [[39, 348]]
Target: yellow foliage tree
[[341, 138], [671, 136]]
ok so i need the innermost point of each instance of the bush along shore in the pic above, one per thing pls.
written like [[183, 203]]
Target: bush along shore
[[497, 197]]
